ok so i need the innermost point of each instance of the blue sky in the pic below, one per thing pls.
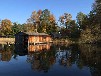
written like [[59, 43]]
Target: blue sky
[[20, 10]]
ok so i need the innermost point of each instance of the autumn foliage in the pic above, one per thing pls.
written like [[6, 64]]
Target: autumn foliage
[[86, 28]]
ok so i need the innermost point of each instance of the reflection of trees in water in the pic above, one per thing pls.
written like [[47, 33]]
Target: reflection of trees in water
[[91, 57], [64, 55], [6, 52], [67, 56], [41, 61], [82, 55]]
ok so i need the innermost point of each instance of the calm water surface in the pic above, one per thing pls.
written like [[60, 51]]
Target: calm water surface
[[50, 60]]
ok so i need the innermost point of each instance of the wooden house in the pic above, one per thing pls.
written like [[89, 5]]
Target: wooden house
[[32, 38]]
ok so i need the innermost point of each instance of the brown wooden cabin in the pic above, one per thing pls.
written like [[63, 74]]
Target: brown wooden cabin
[[32, 38]]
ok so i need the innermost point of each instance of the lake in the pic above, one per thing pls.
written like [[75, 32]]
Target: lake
[[50, 60]]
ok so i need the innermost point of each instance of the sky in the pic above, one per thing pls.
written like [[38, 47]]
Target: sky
[[20, 10]]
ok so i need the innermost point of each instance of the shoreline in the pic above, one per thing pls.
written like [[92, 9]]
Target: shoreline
[[7, 40], [55, 41]]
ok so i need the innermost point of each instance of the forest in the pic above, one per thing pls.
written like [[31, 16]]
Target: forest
[[85, 29]]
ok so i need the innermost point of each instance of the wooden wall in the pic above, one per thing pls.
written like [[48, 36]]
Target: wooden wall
[[38, 39], [34, 48]]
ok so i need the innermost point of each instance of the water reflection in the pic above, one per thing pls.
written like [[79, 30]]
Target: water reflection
[[42, 58], [6, 52], [21, 50], [41, 61], [91, 57], [37, 48]]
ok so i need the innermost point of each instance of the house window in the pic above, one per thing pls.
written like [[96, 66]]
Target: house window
[[44, 38]]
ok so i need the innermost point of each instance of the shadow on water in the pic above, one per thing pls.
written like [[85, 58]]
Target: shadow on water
[[43, 57], [20, 50]]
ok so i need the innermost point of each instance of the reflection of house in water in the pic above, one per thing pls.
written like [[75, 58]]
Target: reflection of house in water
[[5, 53], [41, 60], [21, 49], [35, 48], [24, 50]]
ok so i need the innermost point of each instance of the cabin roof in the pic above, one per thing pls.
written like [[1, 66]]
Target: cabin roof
[[33, 33]]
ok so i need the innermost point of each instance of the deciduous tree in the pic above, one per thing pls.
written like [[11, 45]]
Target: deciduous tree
[[6, 27], [65, 19], [80, 18]]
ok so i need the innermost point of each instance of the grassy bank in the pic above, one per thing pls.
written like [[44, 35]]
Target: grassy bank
[[74, 41], [62, 41], [7, 40]]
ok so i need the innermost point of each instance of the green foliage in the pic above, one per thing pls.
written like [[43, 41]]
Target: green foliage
[[16, 28], [71, 30], [28, 27], [81, 17], [65, 19], [92, 33], [43, 21], [86, 28]]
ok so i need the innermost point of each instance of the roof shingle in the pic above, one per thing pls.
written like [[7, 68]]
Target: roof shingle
[[33, 33]]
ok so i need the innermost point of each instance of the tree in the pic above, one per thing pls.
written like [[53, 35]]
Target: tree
[[96, 25], [43, 21], [71, 29], [16, 28], [80, 18], [6, 27], [92, 34], [44, 18], [65, 19], [74, 30], [35, 19], [52, 27], [28, 27], [97, 9]]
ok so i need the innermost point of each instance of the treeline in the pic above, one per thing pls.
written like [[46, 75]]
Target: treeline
[[40, 21], [86, 28]]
